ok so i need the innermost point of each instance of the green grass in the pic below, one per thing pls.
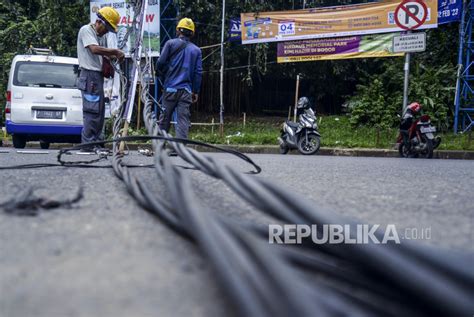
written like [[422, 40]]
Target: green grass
[[336, 131], [256, 132]]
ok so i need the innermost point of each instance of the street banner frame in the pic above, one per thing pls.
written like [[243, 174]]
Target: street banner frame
[[151, 37], [347, 20], [359, 46]]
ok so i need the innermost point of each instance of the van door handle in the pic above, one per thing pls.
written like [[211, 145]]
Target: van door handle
[[49, 96]]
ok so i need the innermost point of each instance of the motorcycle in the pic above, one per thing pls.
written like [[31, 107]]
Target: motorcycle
[[419, 139], [302, 135]]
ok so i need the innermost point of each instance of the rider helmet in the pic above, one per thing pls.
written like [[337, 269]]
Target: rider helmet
[[303, 103], [415, 107]]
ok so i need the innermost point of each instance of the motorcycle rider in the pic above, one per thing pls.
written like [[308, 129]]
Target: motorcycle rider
[[407, 120]]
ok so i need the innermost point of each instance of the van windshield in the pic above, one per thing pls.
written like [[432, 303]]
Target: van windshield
[[38, 74]]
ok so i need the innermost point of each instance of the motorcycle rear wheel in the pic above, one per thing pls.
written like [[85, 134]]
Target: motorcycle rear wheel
[[428, 152], [310, 147], [402, 150]]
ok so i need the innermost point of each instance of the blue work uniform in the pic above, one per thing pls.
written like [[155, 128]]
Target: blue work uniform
[[180, 63]]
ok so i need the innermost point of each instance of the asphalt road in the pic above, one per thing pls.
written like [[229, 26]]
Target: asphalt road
[[106, 256]]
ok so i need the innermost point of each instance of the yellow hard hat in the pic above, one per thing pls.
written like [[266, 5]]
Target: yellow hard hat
[[111, 18], [186, 23]]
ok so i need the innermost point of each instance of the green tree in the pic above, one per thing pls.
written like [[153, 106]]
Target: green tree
[[432, 80], [38, 23], [48, 23]]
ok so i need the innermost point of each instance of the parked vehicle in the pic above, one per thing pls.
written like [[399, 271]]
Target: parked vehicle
[[419, 139], [43, 102], [302, 135]]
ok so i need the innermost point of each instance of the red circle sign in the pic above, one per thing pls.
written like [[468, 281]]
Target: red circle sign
[[411, 14]]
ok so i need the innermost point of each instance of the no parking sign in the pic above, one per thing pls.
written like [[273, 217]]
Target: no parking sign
[[411, 14]]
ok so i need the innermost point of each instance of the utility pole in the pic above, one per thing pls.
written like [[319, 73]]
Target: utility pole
[[297, 94], [221, 112]]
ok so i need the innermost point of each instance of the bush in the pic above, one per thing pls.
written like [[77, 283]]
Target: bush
[[372, 106], [377, 103], [434, 89]]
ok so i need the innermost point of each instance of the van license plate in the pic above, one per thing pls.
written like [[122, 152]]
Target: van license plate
[[49, 114]]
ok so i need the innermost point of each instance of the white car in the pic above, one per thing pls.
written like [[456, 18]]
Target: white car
[[43, 102]]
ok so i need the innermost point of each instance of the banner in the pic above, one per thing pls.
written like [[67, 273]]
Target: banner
[[368, 18], [112, 85], [449, 11], [377, 45], [235, 31], [151, 37]]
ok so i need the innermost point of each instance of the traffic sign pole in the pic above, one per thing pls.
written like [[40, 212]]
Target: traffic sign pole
[[409, 15], [406, 83], [407, 80]]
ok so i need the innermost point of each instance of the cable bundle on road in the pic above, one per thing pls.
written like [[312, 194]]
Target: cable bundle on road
[[302, 280], [360, 279]]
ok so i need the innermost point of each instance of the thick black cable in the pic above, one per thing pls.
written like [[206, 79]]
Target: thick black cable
[[27, 203], [277, 212], [153, 137], [396, 264], [44, 165]]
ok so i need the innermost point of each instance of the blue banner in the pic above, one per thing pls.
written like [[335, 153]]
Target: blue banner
[[235, 30], [449, 11]]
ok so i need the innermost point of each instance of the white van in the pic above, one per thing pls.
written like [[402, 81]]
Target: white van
[[43, 102]]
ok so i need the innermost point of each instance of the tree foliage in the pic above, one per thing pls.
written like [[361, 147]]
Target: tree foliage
[[432, 83], [372, 106], [330, 83], [48, 23], [38, 23]]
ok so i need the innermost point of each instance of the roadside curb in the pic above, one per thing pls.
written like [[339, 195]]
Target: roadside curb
[[354, 152], [274, 149]]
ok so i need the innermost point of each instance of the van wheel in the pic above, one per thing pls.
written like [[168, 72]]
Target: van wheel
[[19, 141], [44, 145]]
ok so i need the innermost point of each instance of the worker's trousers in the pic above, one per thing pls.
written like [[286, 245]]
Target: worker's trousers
[[181, 101], [91, 85]]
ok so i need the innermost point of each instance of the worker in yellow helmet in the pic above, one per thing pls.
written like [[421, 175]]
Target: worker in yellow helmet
[[91, 51], [180, 69]]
